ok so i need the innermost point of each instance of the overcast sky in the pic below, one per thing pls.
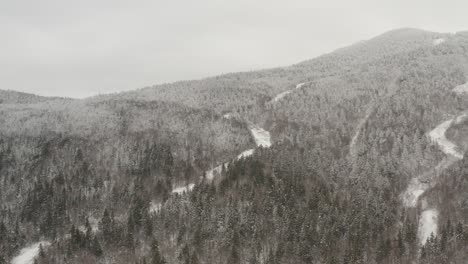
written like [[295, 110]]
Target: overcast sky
[[82, 48]]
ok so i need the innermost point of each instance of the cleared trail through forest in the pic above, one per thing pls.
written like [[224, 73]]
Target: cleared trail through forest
[[357, 134], [419, 185], [280, 96], [29, 253], [261, 137]]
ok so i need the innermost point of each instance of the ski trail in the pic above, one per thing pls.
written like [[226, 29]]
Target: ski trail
[[362, 123], [427, 225], [280, 96], [437, 135], [421, 183], [29, 253], [261, 137]]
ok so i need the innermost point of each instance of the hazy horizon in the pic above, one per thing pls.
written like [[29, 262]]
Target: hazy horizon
[[85, 48]]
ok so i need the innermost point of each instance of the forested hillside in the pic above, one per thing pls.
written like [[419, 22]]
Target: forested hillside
[[127, 178]]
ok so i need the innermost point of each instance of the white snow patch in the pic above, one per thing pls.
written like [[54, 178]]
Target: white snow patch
[[460, 118], [438, 41], [183, 189], [437, 135], [261, 136], [299, 86], [245, 154], [28, 254], [280, 96], [155, 207], [93, 222], [461, 89], [415, 189], [427, 225], [215, 171]]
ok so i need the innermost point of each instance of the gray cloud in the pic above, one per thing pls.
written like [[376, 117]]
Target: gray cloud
[[82, 48]]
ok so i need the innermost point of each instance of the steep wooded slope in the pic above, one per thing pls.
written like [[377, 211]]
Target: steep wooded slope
[[304, 200]]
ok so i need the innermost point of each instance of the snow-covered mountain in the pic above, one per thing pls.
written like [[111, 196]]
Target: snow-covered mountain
[[357, 156]]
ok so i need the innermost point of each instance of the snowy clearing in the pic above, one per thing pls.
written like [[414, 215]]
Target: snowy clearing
[[438, 41], [437, 135], [427, 225], [461, 89], [183, 189], [28, 254]]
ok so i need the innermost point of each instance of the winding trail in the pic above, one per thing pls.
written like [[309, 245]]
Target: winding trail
[[420, 184], [262, 139], [280, 96]]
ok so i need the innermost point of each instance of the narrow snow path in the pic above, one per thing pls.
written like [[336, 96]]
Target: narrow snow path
[[420, 184], [262, 139], [427, 225], [280, 96], [28, 254], [352, 146]]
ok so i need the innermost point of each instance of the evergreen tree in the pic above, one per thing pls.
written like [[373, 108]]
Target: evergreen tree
[[156, 257]]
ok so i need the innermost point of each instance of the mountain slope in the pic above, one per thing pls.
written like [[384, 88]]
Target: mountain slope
[[348, 138]]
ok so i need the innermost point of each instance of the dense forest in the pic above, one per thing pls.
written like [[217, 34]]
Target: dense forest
[[93, 180]]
